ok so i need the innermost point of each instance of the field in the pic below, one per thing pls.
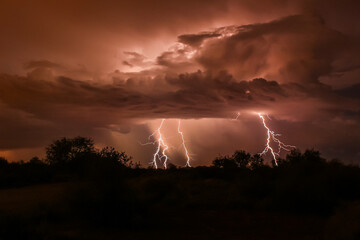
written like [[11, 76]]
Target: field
[[198, 203]]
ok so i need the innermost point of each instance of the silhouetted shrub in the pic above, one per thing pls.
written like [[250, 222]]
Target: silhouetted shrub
[[240, 159], [35, 161], [3, 162], [109, 154], [256, 161], [225, 162], [66, 150]]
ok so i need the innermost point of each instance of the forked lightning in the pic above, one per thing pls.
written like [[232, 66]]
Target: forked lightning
[[271, 135], [159, 155], [161, 145]]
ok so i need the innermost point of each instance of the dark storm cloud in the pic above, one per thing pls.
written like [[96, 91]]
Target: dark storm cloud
[[195, 40], [127, 64], [174, 60], [351, 92], [134, 59], [301, 48], [41, 64], [195, 94], [64, 102], [297, 48], [191, 95]]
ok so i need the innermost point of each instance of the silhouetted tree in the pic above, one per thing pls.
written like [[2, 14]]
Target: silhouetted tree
[[241, 158], [294, 156], [36, 161], [66, 150], [171, 166], [109, 154], [224, 162], [280, 162], [313, 156], [256, 161], [3, 162], [310, 156]]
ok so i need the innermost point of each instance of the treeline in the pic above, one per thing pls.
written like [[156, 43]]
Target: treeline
[[295, 158], [66, 159], [77, 158], [103, 190], [73, 153]]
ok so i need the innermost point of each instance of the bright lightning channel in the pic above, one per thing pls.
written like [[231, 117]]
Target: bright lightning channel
[[159, 155], [183, 144], [271, 135]]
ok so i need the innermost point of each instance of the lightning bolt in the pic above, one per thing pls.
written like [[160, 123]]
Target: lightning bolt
[[184, 146], [271, 135], [159, 155]]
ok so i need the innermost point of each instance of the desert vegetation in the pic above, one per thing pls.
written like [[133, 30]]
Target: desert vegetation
[[80, 192]]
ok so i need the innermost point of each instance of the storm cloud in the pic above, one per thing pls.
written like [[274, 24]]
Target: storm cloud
[[206, 61]]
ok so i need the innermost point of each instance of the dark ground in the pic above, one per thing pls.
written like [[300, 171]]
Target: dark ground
[[305, 199]]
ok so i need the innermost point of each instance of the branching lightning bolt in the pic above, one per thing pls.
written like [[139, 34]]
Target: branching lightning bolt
[[183, 144], [161, 147], [159, 155], [271, 135]]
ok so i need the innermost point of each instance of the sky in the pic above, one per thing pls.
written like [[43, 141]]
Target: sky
[[112, 70]]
